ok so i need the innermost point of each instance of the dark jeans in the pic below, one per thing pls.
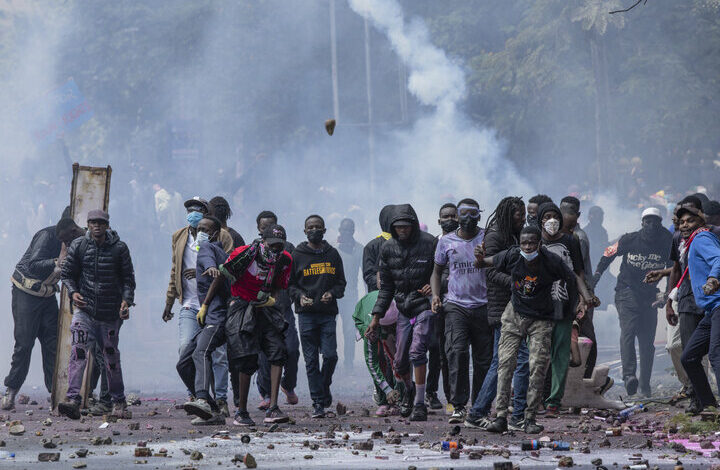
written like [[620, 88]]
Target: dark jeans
[[195, 363], [437, 360], [465, 327], [521, 377], [704, 340], [688, 322], [638, 319], [35, 317], [289, 378], [587, 329], [317, 335]]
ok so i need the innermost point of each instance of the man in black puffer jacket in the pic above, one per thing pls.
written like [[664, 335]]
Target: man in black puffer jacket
[[98, 274], [405, 266]]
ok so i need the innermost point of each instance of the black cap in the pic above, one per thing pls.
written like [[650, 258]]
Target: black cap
[[274, 234], [97, 214], [197, 201]]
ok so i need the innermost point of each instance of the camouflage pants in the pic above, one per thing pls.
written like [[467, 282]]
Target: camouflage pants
[[514, 329]]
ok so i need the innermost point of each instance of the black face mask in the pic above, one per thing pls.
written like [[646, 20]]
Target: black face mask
[[532, 220], [469, 224], [315, 236], [449, 225]]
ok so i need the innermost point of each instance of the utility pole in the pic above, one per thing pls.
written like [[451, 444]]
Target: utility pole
[[371, 133], [333, 58]]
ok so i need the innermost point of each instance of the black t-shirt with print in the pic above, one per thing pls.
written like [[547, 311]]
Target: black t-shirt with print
[[532, 283]]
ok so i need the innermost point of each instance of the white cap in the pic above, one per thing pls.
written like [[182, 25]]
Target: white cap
[[651, 211]]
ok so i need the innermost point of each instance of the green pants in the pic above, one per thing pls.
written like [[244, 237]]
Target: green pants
[[559, 360]]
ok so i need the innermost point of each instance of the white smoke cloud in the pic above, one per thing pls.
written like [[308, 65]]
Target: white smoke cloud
[[443, 152]]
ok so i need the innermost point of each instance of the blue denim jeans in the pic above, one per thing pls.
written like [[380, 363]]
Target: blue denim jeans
[[317, 336], [484, 400], [188, 328]]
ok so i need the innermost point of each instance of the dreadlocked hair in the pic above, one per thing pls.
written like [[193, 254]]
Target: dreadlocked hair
[[501, 219]]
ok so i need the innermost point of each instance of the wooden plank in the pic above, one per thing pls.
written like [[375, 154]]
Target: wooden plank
[[90, 190]]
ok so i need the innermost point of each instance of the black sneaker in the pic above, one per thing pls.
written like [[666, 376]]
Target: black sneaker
[[328, 401], [531, 427], [275, 415], [631, 385], [694, 408], [407, 405], [458, 415], [432, 401], [242, 418], [199, 407], [609, 382], [516, 424], [318, 411], [100, 408], [217, 419], [69, 408], [476, 422], [224, 410], [499, 425], [419, 412]]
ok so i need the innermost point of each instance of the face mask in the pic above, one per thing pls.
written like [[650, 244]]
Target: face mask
[[202, 237], [194, 218], [449, 225], [529, 256], [268, 255], [469, 224], [315, 236], [552, 226], [531, 219]]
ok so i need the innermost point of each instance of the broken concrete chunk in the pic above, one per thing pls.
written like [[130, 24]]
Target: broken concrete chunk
[[23, 399], [454, 454], [196, 455], [143, 452], [341, 409], [79, 465], [565, 462], [249, 461], [17, 430], [367, 445], [48, 456], [82, 453]]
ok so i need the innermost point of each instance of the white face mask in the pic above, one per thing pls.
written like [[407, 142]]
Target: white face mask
[[552, 226]]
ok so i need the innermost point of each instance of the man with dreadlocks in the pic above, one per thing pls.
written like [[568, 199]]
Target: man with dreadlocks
[[465, 307], [502, 232], [220, 208]]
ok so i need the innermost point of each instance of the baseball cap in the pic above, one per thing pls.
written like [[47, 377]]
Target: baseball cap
[[197, 201], [402, 222], [654, 211], [97, 214], [274, 234], [691, 209]]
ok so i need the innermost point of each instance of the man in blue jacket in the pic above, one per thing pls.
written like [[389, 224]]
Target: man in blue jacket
[[704, 270]]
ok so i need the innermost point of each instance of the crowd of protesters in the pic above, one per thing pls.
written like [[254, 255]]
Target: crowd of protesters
[[492, 311]]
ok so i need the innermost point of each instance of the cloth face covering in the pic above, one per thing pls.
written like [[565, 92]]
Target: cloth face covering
[[315, 236], [194, 218], [552, 226], [449, 225]]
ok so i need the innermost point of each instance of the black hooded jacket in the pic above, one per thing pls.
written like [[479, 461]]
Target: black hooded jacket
[[372, 250], [405, 267], [499, 284], [313, 274], [103, 275]]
